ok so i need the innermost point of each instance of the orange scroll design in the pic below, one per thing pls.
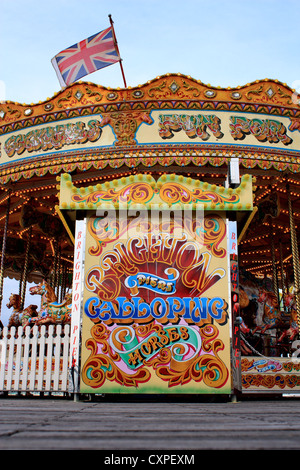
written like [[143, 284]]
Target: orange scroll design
[[101, 366], [208, 231], [173, 193], [109, 229], [270, 373], [105, 364], [206, 367], [135, 192]]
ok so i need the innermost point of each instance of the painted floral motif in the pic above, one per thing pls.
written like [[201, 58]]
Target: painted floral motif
[[163, 355]]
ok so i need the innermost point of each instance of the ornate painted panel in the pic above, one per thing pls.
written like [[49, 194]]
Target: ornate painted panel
[[157, 298], [156, 313]]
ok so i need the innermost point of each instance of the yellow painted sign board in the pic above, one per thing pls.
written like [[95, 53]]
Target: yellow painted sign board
[[164, 128], [157, 297]]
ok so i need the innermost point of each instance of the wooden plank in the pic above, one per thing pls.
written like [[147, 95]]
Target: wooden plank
[[49, 347], [3, 343], [56, 374], [65, 364], [41, 356], [26, 358], [18, 359], [10, 364], [34, 346]]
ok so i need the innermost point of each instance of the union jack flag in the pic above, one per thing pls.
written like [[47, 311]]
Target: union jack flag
[[87, 56]]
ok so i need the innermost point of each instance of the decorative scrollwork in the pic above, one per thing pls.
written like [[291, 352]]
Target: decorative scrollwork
[[256, 91], [91, 93], [156, 88], [191, 88], [135, 192], [175, 192], [101, 366]]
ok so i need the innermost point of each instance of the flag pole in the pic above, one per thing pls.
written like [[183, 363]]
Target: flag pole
[[117, 49]]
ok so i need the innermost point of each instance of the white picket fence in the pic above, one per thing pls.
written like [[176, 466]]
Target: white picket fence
[[35, 360]]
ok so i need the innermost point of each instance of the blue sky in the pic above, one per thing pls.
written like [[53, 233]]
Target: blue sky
[[224, 43]]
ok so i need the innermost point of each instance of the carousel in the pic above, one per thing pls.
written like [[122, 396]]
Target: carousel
[[172, 142]]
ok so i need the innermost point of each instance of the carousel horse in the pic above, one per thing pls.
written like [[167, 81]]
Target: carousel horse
[[293, 329], [250, 342], [243, 303], [51, 312], [14, 302], [29, 313], [20, 317], [271, 313]]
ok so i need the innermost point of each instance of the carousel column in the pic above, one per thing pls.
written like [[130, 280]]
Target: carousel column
[[25, 271], [21, 284], [295, 255], [77, 295], [233, 180], [282, 274], [63, 281], [54, 272], [58, 271], [274, 267], [4, 242]]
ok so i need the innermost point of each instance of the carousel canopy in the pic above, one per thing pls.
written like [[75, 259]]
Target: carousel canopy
[[173, 124]]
